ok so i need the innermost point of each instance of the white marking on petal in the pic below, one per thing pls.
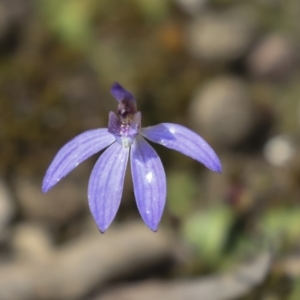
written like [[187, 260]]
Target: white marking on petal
[[126, 142], [172, 130], [149, 182], [149, 176]]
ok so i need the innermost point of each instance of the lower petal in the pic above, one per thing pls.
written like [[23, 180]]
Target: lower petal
[[149, 181], [106, 185]]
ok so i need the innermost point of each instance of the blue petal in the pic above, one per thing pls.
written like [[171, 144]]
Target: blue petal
[[149, 181], [120, 93], [74, 152], [106, 185], [184, 140]]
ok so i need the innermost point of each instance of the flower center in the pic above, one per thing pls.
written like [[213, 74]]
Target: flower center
[[126, 123]]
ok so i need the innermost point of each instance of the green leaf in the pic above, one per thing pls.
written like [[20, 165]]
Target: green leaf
[[208, 232], [69, 19], [181, 193], [282, 225]]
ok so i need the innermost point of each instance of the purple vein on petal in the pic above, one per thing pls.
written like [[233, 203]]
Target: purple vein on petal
[[106, 185], [74, 152], [149, 181], [183, 140]]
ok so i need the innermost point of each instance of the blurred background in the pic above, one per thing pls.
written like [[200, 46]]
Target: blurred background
[[228, 69]]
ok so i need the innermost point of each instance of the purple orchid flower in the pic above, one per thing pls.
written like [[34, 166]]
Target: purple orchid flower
[[123, 137]]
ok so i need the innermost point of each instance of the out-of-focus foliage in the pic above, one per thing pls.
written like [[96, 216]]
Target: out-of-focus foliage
[[282, 227], [181, 192], [70, 19], [295, 294], [155, 10], [208, 233]]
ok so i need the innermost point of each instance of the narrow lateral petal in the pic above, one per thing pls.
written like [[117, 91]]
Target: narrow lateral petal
[[149, 181], [120, 93], [74, 152], [106, 185], [184, 140]]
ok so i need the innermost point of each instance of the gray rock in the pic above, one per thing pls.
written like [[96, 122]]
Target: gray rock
[[7, 206], [223, 111], [79, 267], [274, 58], [231, 285], [280, 150], [192, 7], [220, 37], [289, 266], [57, 207], [12, 13], [3, 21], [31, 242]]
